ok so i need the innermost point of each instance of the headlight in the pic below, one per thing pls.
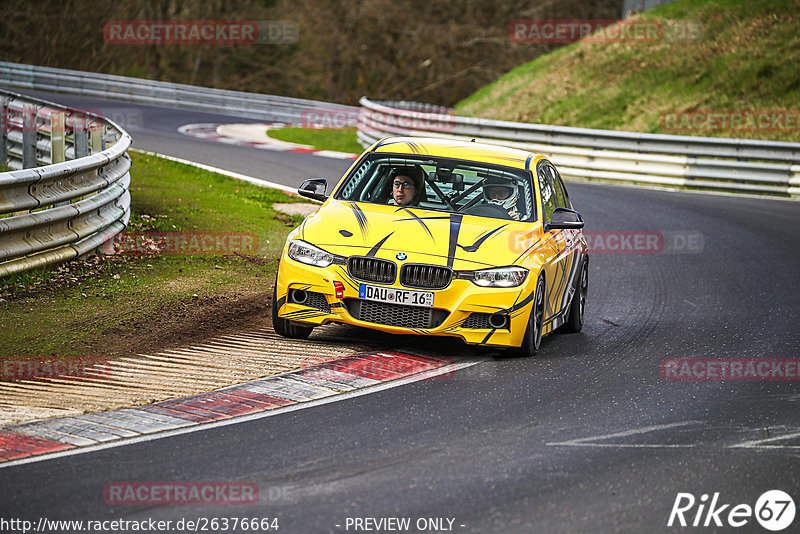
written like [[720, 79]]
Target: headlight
[[311, 255], [497, 277]]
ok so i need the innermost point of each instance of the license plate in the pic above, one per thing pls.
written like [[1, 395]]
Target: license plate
[[396, 296]]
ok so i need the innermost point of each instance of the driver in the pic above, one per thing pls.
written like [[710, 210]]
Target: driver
[[502, 192], [407, 186]]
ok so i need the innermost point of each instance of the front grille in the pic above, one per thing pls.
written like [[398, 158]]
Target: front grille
[[395, 314], [477, 320], [425, 276], [318, 301], [372, 269]]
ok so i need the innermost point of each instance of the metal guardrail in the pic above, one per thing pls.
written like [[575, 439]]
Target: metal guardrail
[[74, 203], [174, 95], [719, 164]]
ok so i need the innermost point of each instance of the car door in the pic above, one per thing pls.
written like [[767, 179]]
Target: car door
[[569, 243], [554, 242]]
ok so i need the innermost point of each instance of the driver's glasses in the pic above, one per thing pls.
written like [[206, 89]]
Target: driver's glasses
[[498, 192], [405, 185]]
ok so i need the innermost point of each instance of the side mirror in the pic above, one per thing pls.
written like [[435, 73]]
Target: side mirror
[[564, 219], [314, 189]]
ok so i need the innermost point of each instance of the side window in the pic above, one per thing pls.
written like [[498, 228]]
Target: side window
[[555, 180], [562, 197], [548, 193]]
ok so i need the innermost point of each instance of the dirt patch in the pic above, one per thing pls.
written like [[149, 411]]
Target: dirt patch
[[296, 208], [186, 322], [129, 328], [67, 275]]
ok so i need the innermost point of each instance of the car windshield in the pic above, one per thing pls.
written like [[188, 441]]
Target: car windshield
[[451, 185]]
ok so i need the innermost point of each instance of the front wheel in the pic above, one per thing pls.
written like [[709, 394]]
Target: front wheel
[[533, 335], [283, 327]]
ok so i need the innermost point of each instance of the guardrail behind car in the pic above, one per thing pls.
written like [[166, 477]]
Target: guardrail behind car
[[67, 192], [718, 164], [174, 95]]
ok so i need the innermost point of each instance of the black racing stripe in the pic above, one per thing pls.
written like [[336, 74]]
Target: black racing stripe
[[307, 315], [374, 250], [486, 339], [413, 147], [521, 304], [429, 218], [526, 251], [415, 217], [458, 324], [306, 309], [455, 228], [360, 217], [561, 277], [385, 142], [336, 305], [528, 162], [346, 277], [486, 235], [300, 314]]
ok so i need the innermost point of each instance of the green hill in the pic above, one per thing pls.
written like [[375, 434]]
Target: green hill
[[716, 61]]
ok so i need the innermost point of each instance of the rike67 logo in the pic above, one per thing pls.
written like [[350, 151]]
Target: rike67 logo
[[774, 510]]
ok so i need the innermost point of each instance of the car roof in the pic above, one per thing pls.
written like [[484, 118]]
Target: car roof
[[465, 150]]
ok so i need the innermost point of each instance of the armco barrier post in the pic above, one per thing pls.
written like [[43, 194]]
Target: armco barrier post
[[4, 118], [80, 133], [57, 143], [28, 137], [57, 137], [96, 140]]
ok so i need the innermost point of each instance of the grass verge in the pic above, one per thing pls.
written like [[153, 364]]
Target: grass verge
[[714, 58], [337, 139], [115, 305]]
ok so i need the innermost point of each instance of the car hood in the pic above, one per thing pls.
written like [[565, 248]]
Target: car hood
[[417, 235]]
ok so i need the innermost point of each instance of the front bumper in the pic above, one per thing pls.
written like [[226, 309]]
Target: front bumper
[[454, 305]]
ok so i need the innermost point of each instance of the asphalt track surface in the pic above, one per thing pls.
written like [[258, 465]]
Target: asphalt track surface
[[586, 438]]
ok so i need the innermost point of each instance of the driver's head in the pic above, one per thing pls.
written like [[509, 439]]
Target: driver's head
[[500, 191], [406, 185]]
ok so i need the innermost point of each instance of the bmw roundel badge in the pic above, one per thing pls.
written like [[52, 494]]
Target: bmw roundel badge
[[401, 256]]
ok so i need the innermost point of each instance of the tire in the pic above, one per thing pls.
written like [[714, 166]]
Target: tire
[[577, 308], [533, 334], [284, 327]]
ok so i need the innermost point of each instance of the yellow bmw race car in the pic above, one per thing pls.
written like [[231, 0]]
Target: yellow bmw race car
[[438, 237]]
